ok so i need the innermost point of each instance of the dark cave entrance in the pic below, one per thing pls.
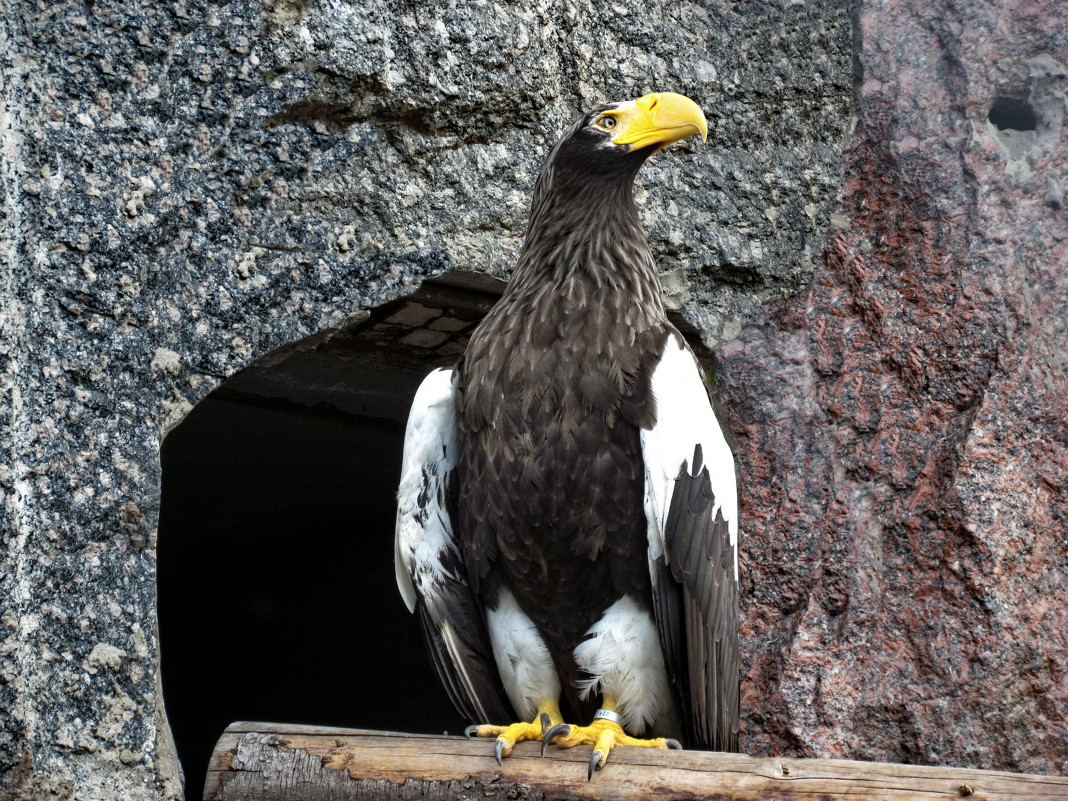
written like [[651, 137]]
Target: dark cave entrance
[[277, 594], [277, 597]]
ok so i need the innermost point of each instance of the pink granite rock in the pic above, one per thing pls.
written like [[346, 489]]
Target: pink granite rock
[[901, 425]]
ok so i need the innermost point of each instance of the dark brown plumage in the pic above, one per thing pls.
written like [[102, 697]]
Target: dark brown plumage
[[546, 449]]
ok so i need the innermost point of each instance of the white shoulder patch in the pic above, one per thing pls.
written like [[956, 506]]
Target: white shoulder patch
[[684, 419], [424, 531]]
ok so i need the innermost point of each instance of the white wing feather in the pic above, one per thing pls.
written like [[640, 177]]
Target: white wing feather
[[684, 419], [424, 529]]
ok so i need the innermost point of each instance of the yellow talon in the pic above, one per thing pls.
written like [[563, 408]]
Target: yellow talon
[[603, 735], [509, 736]]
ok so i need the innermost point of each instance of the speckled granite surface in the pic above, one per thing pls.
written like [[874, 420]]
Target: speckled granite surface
[[192, 184], [188, 185]]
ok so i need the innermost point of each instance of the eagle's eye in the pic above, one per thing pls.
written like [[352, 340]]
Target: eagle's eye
[[607, 122]]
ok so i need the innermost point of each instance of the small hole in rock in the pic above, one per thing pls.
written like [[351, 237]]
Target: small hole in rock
[[1012, 113]]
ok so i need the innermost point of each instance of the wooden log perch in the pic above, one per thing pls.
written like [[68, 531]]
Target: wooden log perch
[[276, 762]]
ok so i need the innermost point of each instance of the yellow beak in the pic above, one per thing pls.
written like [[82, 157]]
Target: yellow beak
[[658, 119]]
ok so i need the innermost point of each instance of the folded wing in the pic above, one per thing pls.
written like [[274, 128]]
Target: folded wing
[[430, 568], [691, 504]]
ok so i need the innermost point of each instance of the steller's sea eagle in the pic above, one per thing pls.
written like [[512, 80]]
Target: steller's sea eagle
[[567, 525]]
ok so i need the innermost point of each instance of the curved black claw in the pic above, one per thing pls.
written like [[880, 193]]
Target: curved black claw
[[498, 751], [545, 721], [596, 761], [471, 731], [559, 730], [671, 743]]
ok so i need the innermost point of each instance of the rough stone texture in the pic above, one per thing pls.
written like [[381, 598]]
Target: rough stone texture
[[902, 422], [188, 185]]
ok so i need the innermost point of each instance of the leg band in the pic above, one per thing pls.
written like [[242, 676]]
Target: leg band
[[608, 714]]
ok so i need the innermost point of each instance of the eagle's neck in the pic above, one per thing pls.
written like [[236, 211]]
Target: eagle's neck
[[572, 327], [588, 231]]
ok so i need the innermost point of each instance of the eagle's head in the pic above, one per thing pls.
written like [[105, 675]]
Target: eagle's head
[[612, 141], [583, 210]]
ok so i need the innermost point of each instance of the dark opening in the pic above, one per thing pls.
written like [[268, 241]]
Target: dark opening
[[277, 596], [277, 593], [1013, 113]]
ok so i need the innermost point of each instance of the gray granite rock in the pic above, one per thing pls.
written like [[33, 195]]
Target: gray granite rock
[[189, 185]]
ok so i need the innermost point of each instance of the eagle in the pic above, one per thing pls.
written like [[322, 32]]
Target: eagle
[[567, 524]]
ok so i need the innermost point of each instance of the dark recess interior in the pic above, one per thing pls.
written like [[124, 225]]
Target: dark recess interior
[[1013, 114], [277, 593]]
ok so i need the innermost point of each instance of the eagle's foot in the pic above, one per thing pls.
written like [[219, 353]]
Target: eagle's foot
[[603, 734], [509, 736]]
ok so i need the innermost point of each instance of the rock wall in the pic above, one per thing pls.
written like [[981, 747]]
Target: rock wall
[[189, 185], [902, 422]]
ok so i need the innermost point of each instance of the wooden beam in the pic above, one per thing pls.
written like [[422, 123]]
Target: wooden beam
[[275, 761]]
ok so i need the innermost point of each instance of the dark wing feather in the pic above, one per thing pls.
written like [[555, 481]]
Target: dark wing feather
[[701, 560], [430, 567], [669, 611], [458, 645]]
